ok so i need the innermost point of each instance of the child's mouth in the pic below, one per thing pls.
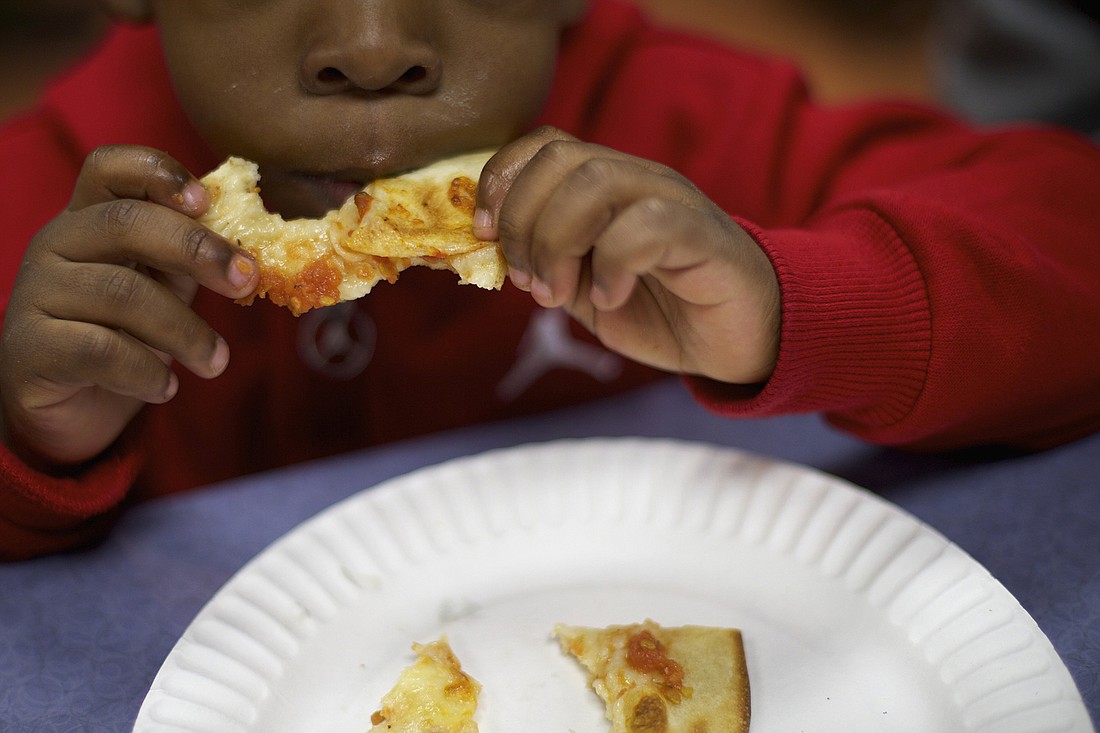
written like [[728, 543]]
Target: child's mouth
[[304, 193], [311, 195], [333, 191]]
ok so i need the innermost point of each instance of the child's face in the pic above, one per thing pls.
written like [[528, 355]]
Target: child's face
[[326, 94]]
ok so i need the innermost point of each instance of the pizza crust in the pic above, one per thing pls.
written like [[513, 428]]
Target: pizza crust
[[654, 679], [421, 218]]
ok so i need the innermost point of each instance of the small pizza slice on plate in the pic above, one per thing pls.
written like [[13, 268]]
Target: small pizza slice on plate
[[423, 217], [432, 695], [654, 679]]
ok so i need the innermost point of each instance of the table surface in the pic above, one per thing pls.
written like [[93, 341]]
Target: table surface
[[82, 635]]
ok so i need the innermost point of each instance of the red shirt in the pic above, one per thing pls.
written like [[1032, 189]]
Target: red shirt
[[940, 286]]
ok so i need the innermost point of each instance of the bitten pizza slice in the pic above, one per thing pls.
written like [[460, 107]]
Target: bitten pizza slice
[[432, 695], [684, 679], [423, 217]]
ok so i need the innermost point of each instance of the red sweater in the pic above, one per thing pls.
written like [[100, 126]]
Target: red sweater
[[940, 286]]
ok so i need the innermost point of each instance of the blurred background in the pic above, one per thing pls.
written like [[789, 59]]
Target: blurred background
[[38, 38], [848, 49]]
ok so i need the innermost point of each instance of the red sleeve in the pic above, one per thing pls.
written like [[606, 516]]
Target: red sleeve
[[940, 285], [958, 307], [41, 513], [37, 171]]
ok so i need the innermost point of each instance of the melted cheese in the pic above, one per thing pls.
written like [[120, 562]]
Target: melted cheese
[[432, 695], [423, 217]]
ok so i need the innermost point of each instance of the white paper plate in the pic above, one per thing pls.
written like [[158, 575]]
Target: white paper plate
[[856, 617]]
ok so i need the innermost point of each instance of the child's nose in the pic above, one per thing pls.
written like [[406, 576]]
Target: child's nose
[[375, 50], [334, 79]]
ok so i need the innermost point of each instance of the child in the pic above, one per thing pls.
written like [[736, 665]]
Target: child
[[919, 283]]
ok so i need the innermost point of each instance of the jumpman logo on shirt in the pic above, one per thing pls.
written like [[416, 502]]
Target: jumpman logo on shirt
[[548, 344]]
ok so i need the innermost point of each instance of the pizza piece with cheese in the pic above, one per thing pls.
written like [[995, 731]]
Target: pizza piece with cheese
[[432, 695], [684, 679], [424, 217]]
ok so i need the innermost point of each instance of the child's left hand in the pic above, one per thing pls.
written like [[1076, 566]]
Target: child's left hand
[[635, 252]]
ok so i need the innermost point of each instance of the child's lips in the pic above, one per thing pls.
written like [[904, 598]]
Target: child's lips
[[296, 194], [313, 193]]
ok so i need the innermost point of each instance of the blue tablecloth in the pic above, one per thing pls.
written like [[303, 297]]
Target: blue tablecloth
[[82, 635]]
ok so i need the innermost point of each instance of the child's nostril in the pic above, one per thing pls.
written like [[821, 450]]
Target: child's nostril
[[330, 74], [414, 74]]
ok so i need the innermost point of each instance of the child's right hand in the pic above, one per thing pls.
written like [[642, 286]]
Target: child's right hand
[[101, 307]]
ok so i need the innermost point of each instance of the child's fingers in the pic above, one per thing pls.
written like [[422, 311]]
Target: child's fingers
[[549, 195], [651, 236], [77, 355], [527, 234], [125, 231], [134, 172], [501, 172], [128, 300], [596, 195]]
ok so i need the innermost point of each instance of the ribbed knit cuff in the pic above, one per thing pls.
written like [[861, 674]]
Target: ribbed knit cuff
[[856, 327], [40, 513]]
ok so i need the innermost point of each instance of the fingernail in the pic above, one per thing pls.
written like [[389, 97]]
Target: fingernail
[[172, 388], [519, 278], [483, 224], [220, 359], [599, 298], [542, 293], [240, 270], [193, 196]]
